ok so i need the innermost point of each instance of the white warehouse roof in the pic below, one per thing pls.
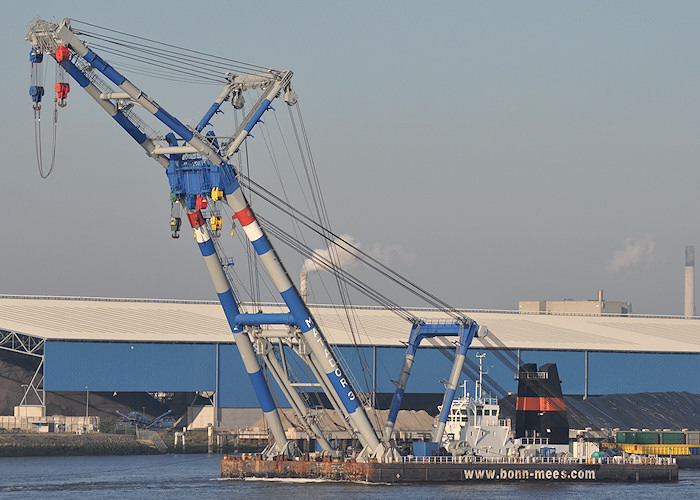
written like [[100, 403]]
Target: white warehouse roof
[[144, 320]]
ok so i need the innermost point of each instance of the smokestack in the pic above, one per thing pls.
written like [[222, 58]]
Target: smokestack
[[302, 286], [689, 281]]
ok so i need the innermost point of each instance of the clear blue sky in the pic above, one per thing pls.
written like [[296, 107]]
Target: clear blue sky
[[506, 150]]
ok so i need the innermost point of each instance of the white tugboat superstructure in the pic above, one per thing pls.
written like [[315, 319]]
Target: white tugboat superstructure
[[474, 425]]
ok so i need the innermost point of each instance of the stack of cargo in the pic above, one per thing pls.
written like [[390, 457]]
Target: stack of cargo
[[659, 442]]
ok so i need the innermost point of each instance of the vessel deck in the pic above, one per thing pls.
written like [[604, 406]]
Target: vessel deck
[[459, 469]]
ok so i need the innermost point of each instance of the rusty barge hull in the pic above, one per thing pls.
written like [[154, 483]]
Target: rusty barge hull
[[455, 472]]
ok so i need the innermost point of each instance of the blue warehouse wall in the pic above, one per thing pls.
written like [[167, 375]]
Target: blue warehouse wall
[[642, 372], [151, 367], [608, 372], [156, 367], [235, 387], [129, 367]]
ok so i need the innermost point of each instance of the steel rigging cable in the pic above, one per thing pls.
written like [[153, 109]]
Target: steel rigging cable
[[212, 78], [327, 265], [214, 61], [361, 255]]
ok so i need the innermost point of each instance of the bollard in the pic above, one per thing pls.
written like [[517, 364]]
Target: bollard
[[180, 436]]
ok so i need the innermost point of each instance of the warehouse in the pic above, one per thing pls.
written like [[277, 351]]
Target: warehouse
[[172, 346]]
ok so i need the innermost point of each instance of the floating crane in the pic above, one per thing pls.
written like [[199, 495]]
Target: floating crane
[[201, 174], [198, 169]]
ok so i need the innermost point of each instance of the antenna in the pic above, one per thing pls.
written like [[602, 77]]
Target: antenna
[[478, 391]]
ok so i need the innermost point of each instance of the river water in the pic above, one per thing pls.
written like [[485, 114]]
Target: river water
[[197, 476]]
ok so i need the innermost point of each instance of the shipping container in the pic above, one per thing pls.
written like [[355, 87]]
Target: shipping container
[[626, 437], [647, 438], [692, 437], [672, 438], [425, 449]]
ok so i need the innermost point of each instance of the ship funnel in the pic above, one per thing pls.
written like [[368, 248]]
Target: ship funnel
[[540, 409]]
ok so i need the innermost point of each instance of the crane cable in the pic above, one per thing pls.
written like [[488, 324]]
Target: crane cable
[[37, 142], [331, 263], [37, 123], [347, 246], [199, 62], [325, 263], [316, 193]]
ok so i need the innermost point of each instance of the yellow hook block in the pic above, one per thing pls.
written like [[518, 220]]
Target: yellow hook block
[[216, 194]]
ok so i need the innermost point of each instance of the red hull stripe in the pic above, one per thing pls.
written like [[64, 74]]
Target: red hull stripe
[[540, 404], [245, 216]]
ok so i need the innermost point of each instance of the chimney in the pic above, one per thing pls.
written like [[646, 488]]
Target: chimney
[[302, 286], [689, 281]]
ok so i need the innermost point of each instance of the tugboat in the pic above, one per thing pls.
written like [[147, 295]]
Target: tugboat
[[474, 426]]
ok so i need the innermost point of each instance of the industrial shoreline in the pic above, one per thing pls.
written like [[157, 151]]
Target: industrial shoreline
[[34, 444], [46, 445]]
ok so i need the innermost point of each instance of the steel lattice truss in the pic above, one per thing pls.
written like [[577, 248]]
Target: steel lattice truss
[[22, 343], [31, 346]]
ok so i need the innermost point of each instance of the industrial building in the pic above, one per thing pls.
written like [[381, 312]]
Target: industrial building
[[596, 306], [140, 345]]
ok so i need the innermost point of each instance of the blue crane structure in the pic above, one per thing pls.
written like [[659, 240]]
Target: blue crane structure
[[200, 171]]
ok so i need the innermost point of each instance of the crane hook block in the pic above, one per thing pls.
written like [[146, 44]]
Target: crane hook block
[[216, 194], [201, 202], [35, 56], [62, 90], [175, 223], [62, 53], [215, 222], [36, 92]]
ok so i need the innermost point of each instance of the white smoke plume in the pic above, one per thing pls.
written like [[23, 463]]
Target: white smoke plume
[[637, 251], [387, 253], [384, 253], [321, 257]]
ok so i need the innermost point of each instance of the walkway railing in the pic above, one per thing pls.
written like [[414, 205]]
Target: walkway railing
[[635, 460]]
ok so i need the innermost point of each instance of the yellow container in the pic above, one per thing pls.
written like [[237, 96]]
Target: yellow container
[[653, 449]]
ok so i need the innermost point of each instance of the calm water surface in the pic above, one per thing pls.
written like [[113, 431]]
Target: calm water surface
[[197, 476]]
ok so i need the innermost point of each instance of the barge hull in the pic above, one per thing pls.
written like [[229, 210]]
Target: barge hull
[[422, 472]]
